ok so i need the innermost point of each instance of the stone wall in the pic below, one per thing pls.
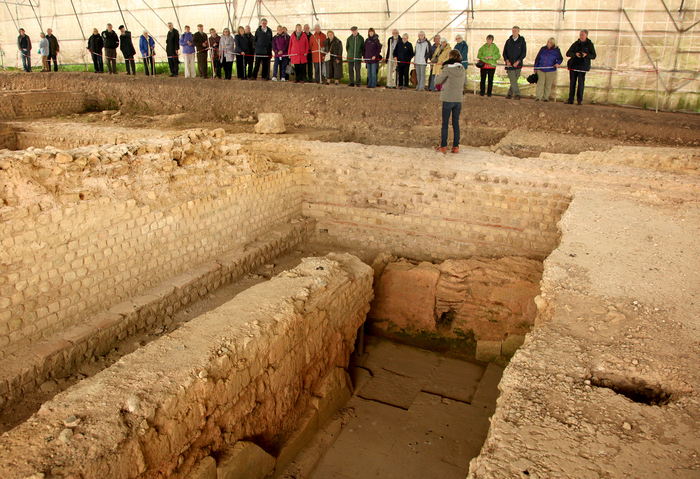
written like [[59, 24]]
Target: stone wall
[[85, 229], [253, 369], [41, 104], [428, 208]]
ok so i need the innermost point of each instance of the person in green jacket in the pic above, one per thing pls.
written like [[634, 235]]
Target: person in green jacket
[[489, 54], [354, 47]]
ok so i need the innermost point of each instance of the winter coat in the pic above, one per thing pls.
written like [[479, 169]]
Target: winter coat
[[440, 56], [172, 42], [263, 41], [126, 45], [24, 43], [226, 48], [583, 63], [353, 47], [372, 48], [200, 41], [111, 40], [280, 43], [298, 48], [391, 46], [316, 42], [213, 43], [422, 52], [404, 52], [146, 46], [547, 58], [187, 49], [463, 50], [44, 47], [335, 48], [95, 43], [242, 45], [452, 80], [53, 44], [250, 46], [489, 51], [515, 51]]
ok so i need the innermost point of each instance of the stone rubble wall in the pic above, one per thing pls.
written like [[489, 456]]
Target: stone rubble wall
[[41, 104], [426, 209], [85, 229], [251, 370]]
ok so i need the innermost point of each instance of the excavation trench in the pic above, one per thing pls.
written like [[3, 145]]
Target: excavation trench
[[455, 267]]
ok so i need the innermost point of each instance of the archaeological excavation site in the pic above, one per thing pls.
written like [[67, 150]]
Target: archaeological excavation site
[[202, 279]]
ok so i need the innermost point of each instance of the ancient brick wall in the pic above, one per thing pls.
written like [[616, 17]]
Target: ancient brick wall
[[92, 228], [251, 369], [41, 104]]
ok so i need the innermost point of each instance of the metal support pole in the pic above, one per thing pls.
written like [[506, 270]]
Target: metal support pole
[[259, 11], [176, 17], [271, 14], [41, 28], [12, 17], [243, 9], [657, 91], [228, 16], [402, 14], [643, 47], [154, 13], [313, 9], [452, 21], [122, 14], [82, 33], [388, 10]]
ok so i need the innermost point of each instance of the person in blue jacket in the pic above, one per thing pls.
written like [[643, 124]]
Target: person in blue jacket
[[147, 47], [548, 60], [463, 49]]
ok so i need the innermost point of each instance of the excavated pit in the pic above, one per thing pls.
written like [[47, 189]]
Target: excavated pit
[[121, 244]]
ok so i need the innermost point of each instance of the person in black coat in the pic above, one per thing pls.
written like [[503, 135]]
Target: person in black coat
[[24, 45], [403, 54], [94, 46], [263, 50], [172, 49], [128, 50], [581, 53], [250, 53], [111, 42], [514, 53]]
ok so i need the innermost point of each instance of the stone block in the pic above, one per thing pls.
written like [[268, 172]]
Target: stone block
[[306, 429], [245, 460], [405, 295], [488, 350], [511, 344], [204, 469], [270, 123], [333, 392]]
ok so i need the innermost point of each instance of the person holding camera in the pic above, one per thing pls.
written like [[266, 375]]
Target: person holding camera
[[581, 53]]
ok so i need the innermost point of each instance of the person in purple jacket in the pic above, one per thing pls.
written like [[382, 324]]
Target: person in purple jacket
[[548, 60], [372, 53], [187, 44], [280, 45]]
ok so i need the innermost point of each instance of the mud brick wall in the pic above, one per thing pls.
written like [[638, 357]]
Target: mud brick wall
[[40, 104], [8, 139], [430, 210], [62, 259], [250, 369]]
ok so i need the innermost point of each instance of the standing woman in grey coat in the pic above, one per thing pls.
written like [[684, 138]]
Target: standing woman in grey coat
[[452, 81], [422, 57]]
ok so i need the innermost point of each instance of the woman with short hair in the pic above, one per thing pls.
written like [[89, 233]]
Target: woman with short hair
[[242, 46], [147, 48], [489, 54], [372, 53], [440, 56], [452, 80], [422, 57], [548, 60], [298, 49], [334, 58], [227, 53]]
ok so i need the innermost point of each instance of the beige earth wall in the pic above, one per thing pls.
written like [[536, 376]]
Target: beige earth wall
[[252, 369], [629, 34]]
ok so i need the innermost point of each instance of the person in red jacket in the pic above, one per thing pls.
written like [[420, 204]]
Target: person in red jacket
[[298, 48], [316, 42]]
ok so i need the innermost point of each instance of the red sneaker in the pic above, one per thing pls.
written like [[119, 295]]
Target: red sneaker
[[455, 149], [442, 149]]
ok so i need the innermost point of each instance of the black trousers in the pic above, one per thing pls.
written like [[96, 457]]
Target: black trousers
[[402, 70], [354, 68], [573, 89], [217, 67], [148, 66], [55, 62], [309, 66], [241, 67], [228, 67], [487, 73], [130, 66], [300, 71], [97, 62], [265, 62], [174, 64], [249, 60]]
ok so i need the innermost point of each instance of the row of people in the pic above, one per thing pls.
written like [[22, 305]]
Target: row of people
[[319, 56]]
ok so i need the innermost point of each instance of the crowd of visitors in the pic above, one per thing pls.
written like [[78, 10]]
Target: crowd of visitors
[[319, 57]]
